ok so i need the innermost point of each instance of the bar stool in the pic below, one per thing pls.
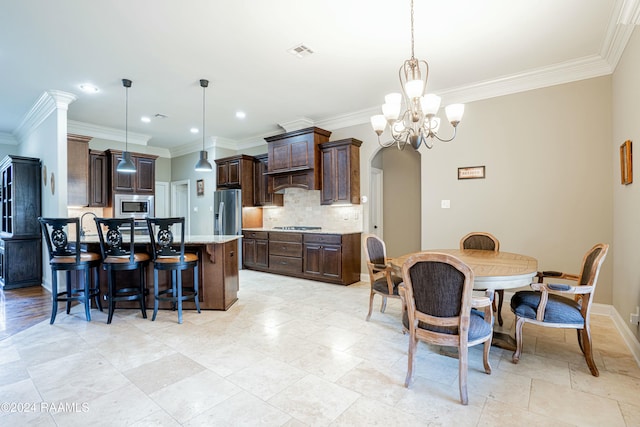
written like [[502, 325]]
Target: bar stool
[[120, 256], [171, 256], [68, 256]]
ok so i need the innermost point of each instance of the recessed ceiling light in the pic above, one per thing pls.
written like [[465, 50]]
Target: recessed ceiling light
[[88, 88], [194, 130], [240, 114], [145, 119]]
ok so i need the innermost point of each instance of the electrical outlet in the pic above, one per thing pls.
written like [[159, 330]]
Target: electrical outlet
[[445, 204], [634, 318]]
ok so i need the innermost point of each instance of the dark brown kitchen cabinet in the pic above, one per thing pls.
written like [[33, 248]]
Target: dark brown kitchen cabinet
[[333, 258], [323, 256], [140, 182], [285, 253], [98, 179], [261, 194], [237, 172], [77, 170], [294, 158], [340, 172], [255, 249], [20, 245]]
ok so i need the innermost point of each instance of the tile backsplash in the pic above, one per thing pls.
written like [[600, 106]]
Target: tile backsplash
[[303, 208]]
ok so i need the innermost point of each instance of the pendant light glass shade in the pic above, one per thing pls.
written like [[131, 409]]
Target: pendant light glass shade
[[203, 164], [126, 164]]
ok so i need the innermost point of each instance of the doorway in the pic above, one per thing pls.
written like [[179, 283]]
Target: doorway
[[180, 202], [401, 211]]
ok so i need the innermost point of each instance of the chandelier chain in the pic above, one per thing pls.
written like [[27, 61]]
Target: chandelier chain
[[412, 39]]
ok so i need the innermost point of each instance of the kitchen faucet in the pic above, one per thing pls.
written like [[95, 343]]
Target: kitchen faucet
[[82, 232]]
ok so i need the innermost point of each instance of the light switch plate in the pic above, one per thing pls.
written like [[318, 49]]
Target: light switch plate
[[445, 204]]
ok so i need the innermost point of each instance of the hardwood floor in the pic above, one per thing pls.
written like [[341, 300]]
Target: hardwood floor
[[22, 308]]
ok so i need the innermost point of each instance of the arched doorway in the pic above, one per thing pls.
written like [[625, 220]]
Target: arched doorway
[[400, 199]]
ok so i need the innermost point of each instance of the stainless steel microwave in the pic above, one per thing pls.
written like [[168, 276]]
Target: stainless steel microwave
[[133, 206]]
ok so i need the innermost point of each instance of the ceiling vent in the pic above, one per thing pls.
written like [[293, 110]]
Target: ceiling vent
[[300, 51]]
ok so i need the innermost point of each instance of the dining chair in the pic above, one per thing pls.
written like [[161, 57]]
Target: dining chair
[[437, 292], [546, 306], [383, 280], [486, 242], [118, 255], [169, 255], [66, 255]]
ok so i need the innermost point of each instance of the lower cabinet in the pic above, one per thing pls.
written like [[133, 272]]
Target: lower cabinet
[[323, 256], [20, 263], [255, 249], [333, 258]]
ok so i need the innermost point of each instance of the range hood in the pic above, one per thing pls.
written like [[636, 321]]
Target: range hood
[[294, 159]]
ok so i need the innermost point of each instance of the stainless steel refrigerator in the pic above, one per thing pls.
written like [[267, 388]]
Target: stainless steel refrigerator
[[227, 216], [227, 212]]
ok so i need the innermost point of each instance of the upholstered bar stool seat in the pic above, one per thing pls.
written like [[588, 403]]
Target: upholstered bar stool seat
[[119, 255], [67, 256]]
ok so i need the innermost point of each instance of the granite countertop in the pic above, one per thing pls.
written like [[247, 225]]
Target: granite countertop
[[321, 231], [200, 239]]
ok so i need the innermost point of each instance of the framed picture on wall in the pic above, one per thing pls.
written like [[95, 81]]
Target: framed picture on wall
[[471, 172], [200, 187], [626, 163]]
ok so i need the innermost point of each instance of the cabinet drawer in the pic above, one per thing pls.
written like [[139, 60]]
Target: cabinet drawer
[[285, 264], [284, 236], [263, 235], [289, 249], [329, 239]]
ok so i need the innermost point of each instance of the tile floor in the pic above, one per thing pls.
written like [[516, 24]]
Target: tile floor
[[294, 353]]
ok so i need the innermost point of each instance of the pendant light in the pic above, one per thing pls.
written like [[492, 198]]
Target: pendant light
[[126, 164], [203, 164]]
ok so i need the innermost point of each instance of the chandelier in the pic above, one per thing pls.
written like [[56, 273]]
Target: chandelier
[[417, 122]]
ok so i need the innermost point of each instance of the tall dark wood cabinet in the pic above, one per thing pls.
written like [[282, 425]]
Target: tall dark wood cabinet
[[261, 194], [340, 172], [98, 179], [20, 238]]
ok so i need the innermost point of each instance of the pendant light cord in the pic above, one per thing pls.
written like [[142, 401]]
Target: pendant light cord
[[204, 88], [126, 120]]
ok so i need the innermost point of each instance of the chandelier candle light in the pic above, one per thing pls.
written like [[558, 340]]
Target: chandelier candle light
[[126, 164], [418, 123], [203, 164]]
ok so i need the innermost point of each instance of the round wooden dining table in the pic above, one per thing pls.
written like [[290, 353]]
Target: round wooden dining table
[[492, 271]]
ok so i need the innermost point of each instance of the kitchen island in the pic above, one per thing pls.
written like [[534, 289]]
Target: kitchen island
[[217, 270]]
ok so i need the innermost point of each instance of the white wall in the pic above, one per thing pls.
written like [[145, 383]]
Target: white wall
[[626, 198]]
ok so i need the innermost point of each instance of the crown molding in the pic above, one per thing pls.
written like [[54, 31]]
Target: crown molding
[[7, 139], [103, 132], [48, 102], [297, 124], [196, 146]]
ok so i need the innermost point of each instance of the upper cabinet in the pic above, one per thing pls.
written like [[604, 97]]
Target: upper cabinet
[[261, 194], [20, 197], [77, 170], [294, 159], [98, 179], [141, 182], [237, 172], [340, 171]]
